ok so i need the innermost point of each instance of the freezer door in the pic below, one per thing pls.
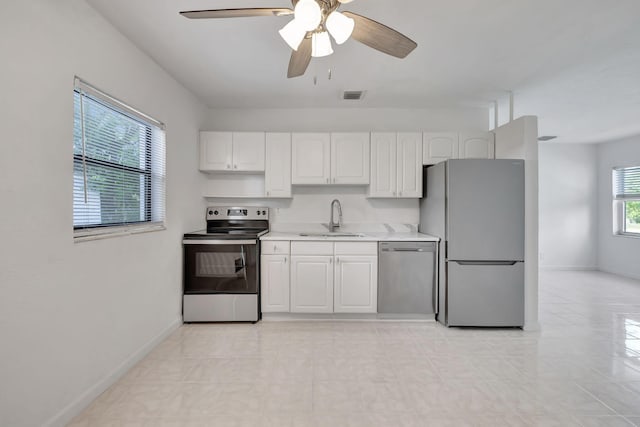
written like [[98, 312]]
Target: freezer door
[[485, 209], [485, 295]]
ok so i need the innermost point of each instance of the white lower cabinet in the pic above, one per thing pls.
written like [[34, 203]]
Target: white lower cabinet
[[319, 277], [311, 284], [274, 280], [355, 284]]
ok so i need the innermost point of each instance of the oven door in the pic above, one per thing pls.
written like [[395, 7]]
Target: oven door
[[220, 267]]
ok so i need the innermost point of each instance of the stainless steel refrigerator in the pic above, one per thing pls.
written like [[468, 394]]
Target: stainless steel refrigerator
[[476, 207]]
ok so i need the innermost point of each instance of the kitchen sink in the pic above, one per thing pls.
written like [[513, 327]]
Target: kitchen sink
[[332, 234]]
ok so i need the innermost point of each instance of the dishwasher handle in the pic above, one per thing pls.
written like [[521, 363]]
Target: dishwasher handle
[[427, 247], [404, 250]]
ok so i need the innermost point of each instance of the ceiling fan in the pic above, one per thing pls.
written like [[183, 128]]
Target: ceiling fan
[[308, 33]]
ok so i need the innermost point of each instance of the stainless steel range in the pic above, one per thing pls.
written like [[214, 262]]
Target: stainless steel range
[[221, 266]]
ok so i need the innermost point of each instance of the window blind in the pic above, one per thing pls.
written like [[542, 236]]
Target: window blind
[[626, 183], [118, 165]]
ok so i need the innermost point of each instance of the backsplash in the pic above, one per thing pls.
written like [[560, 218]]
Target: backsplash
[[311, 204]]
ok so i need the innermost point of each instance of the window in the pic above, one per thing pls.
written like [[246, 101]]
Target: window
[[118, 166], [626, 194]]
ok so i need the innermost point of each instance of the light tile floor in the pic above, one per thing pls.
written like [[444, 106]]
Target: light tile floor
[[582, 368]]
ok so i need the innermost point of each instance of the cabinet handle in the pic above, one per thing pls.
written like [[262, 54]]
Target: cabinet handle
[[268, 193], [327, 180], [235, 166], [285, 260], [330, 260], [334, 180], [228, 166]]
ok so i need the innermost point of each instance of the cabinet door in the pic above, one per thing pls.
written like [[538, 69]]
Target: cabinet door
[[356, 284], [311, 158], [409, 165], [248, 151], [350, 158], [277, 173], [215, 151], [437, 147], [274, 283], [383, 165], [479, 145], [312, 284]]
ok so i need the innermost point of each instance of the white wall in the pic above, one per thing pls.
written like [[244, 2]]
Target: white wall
[[616, 254], [311, 204], [348, 119], [519, 140], [568, 206], [72, 314]]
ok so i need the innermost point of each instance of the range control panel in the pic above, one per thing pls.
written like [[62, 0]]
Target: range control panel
[[235, 212]]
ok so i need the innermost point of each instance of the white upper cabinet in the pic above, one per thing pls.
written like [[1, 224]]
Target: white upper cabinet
[[232, 151], [311, 163], [324, 158], [216, 150], [277, 173], [383, 165], [437, 147], [477, 145], [396, 165], [350, 158], [248, 151], [409, 163]]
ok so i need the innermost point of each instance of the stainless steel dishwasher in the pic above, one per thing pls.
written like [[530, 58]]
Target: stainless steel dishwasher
[[407, 273]]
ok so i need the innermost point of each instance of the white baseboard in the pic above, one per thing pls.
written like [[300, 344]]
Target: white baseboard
[[568, 267], [617, 273], [81, 402], [531, 327], [320, 317]]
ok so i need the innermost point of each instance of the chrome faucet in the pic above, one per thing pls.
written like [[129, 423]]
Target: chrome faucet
[[332, 223]]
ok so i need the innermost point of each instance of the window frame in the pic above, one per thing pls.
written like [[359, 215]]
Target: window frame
[[105, 230], [620, 207]]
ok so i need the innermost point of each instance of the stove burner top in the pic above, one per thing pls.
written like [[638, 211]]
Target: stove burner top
[[233, 223]]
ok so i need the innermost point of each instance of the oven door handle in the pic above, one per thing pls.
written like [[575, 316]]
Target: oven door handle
[[219, 242]]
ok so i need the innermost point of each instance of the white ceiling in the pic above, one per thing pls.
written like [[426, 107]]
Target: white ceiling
[[574, 63]]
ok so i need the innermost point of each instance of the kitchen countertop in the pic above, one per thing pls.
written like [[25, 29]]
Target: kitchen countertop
[[389, 236]]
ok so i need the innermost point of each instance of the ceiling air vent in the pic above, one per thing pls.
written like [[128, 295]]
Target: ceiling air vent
[[353, 95], [546, 137]]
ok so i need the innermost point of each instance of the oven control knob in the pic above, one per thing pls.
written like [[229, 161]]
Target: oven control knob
[[215, 212], [210, 212], [258, 212], [264, 212]]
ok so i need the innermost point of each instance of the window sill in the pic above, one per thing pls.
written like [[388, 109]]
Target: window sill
[[108, 233], [629, 235]]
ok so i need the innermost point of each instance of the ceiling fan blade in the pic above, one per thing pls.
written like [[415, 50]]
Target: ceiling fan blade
[[380, 37], [236, 13], [300, 59]]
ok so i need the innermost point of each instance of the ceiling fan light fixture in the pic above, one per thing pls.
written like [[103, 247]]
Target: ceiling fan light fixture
[[321, 45], [340, 26], [308, 14], [293, 33]]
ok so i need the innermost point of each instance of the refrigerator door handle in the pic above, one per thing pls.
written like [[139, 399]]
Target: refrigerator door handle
[[485, 262]]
